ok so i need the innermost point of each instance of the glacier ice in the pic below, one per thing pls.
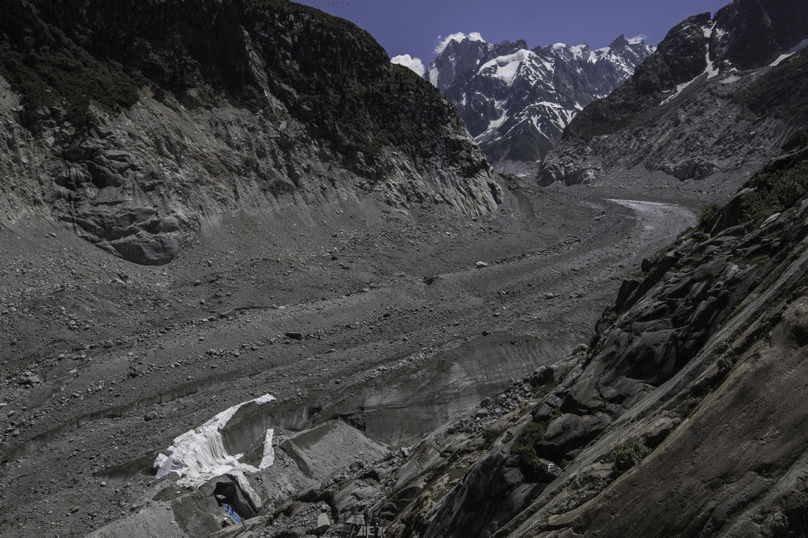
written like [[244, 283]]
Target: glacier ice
[[269, 453]]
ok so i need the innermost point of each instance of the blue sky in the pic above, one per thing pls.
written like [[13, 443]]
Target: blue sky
[[414, 27]]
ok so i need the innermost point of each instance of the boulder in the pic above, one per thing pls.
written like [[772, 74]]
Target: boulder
[[323, 524]]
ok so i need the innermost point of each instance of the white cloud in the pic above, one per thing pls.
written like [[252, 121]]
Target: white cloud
[[413, 63], [459, 36]]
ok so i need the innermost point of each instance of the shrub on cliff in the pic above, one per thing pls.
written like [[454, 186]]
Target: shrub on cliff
[[525, 447], [627, 455]]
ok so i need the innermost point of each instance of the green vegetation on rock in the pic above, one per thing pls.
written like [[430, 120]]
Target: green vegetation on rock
[[540, 391], [627, 455], [490, 435], [708, 215], [47, 68], [525, 447], [774, 192]]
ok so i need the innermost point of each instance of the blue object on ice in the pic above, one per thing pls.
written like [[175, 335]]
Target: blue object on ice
[[230, 512]]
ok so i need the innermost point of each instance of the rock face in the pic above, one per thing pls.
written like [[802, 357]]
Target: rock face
[[454, 60], [666, 427], [277, 105], [516, 102], [693, 107]]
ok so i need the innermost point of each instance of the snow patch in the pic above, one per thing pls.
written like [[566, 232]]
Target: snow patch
[[711, 70], [789, 52], [459, 37], [414, 64], [505, 68], [637, 40], [730, 79], [497, 123], [679, 89], [199, 454], [433, 75]]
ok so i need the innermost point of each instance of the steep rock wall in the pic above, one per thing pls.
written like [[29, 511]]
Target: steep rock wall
[[290, 107]]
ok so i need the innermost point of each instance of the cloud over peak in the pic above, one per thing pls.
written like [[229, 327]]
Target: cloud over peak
[[414, 64]]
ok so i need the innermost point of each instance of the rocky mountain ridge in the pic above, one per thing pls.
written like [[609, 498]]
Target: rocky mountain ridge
[[517, 101], [296, 121], [717, 70], [457, 57]]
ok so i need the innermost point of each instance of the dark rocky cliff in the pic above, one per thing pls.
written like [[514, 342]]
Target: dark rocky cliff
[[147, 119], [457, 58]]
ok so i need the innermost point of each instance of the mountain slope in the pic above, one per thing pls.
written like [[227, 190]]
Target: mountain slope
[[151, 118], [684, 417], [703, 63], [516, 102]]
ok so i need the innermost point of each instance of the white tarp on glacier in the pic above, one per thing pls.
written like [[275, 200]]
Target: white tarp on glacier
[[199, 454]]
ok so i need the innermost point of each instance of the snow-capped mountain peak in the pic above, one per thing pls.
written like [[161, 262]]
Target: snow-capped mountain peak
[[516, 101], [456, 54], [458, 37]]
